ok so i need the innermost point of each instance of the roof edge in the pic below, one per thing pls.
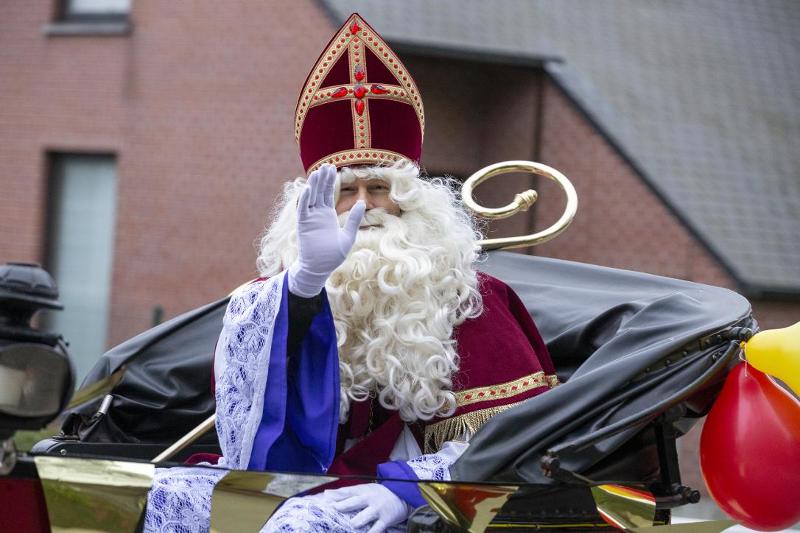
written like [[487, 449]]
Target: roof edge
[[475, 55], [460, 53], [782, 293]]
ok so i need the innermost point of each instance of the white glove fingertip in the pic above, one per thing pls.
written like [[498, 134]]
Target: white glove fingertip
[[313, 187], [302, 202], [312, 178], [330, 184], [365, 517], [355, 217], [348, 505], [322, 185], [377, 527], [360, 207], [328, 170]]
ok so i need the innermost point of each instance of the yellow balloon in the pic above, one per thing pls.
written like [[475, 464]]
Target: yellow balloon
[[777, 352]]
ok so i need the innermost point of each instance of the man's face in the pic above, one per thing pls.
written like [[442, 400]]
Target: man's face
[[374, 192]]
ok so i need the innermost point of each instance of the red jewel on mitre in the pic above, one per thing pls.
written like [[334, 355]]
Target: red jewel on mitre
[[359, 104]]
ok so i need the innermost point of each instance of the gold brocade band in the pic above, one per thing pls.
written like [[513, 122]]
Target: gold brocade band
[[393, 92], [505, 390], [469, 423], [357, 156]]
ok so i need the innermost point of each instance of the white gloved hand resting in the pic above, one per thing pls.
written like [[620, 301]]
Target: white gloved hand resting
[[374, 504], [322, 244]]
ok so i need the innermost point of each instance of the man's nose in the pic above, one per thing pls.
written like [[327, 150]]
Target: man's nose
[[363, 194]]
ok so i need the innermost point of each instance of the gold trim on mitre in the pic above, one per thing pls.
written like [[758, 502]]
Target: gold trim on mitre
[[359, 157], [353, 38], [393, 92]]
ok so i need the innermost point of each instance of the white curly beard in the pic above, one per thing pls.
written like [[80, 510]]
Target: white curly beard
[[407, 282]]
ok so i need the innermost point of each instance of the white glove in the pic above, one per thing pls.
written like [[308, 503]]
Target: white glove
[[323, 245], [375, 504]]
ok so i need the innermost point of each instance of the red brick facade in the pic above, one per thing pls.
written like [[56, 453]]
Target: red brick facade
[[197, 104]]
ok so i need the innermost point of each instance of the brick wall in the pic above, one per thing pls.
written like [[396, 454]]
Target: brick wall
[[197, 103], [55, 94]]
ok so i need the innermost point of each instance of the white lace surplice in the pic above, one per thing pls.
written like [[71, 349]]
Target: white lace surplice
[[241, 365], [180, 499]]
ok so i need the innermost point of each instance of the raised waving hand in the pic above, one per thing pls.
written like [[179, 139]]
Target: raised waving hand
[[322, 244]]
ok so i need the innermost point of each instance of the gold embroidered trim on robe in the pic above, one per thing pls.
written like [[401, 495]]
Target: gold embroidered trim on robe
[[457, 426], [503, 390]]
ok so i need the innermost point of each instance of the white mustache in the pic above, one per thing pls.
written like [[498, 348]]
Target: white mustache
[[373, 217]]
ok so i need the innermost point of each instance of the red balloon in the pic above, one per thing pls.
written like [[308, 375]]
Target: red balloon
[[750, 451]]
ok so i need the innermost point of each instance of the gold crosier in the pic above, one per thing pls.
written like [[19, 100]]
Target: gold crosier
[[522, 202]]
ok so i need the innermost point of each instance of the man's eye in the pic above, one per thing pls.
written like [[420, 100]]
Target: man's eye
[[382, 187], [347, 190]]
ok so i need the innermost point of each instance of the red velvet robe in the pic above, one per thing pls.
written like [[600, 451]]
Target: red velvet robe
[[503, 362]]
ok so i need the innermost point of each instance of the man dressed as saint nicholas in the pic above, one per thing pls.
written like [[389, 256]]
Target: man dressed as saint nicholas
[[371, 345]]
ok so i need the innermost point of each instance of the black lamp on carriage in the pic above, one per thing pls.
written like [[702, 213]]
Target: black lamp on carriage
[[36, 374]]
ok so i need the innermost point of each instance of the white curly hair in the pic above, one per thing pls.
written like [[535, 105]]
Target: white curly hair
[[400, 293]]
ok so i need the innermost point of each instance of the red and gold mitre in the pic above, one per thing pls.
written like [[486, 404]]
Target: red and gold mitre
[[359, 105]]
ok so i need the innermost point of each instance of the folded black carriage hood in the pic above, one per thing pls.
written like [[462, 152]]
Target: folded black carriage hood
[[633, 347]]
